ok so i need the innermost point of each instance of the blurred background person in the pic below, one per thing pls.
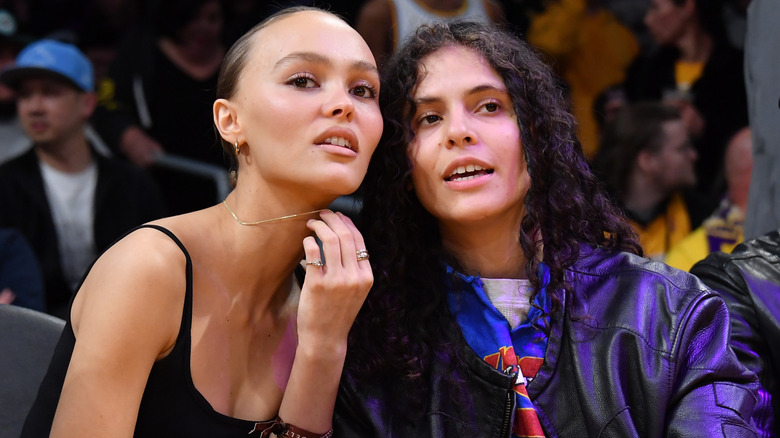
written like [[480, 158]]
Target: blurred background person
[[385, 23], [158, 93], [646, 162], [723, 229], [590, 49], [696, 69], [607, 106], [69, 201], [13, 140]]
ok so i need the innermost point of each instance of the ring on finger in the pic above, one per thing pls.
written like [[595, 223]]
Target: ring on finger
[[362, 254], [317, 262]]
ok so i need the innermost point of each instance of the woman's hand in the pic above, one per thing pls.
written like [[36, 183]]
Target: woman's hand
[[331, 297], [333, 293]]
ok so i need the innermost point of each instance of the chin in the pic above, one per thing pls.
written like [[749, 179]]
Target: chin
[[338, 187]]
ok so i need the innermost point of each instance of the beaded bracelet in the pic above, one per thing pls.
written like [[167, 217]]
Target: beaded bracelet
[[281, 429]]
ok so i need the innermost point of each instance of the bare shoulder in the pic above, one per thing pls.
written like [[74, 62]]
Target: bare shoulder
[[136, 285], [125, 316]]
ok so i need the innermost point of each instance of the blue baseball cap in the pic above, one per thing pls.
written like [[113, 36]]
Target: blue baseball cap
[[50, 57]]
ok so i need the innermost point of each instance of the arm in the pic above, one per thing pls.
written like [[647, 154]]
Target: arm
[[125, 316], [330, 300], [713, 393]]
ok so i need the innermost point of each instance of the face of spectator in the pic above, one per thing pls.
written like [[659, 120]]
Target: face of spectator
[[467, 158], [205, 28], [307, 104], [667, 21], [674, 162], [51, 110]]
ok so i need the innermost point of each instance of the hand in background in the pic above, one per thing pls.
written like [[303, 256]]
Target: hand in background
[[139, 147], [7, 296], [694, 122]]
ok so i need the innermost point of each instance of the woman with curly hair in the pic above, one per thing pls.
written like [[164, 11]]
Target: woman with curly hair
[[510, 296]]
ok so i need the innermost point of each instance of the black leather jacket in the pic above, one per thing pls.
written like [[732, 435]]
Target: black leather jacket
[[748, 280], [641, 351]]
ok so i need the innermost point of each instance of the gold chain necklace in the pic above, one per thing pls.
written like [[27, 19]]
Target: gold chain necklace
[[265, 221]]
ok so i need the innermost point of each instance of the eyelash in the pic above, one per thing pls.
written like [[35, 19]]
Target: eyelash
[[371, 90], [424, 118], [495, 104], [293, 81]]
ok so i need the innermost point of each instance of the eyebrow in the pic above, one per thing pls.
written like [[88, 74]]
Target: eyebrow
[[425, 100], [322, 59]]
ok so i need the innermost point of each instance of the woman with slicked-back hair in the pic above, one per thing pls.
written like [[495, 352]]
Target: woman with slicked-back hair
[[202, 325]]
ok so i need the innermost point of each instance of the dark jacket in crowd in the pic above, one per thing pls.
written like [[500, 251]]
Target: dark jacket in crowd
[[124, 197], [642, 350], [748, 280], [19, 270], [719, 95]]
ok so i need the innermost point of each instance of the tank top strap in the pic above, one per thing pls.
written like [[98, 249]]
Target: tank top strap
[[186, 315]]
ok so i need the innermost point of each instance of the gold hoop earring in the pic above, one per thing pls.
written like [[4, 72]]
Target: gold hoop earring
[[237, 148]]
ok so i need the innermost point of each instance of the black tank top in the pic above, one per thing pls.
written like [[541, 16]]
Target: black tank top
[[171, 405]]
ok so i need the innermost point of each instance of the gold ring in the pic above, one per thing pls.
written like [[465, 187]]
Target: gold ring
[[317, 262], [362, 254]]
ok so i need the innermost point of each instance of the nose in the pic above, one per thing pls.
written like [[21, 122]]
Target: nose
[[458, 131], [32, 102], [693, 154], [339, 105]]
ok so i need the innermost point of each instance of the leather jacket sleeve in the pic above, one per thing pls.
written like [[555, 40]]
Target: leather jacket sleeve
[[748, 280], [711, 398]]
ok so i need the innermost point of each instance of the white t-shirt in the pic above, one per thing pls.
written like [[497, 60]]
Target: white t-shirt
[[509, 296], [71, 198]]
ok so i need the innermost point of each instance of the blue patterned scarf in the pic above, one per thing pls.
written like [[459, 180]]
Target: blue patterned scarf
[[512, 351]]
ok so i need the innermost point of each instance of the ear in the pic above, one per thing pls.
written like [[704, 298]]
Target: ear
[[646, 161], [88, 104], [226, 121]]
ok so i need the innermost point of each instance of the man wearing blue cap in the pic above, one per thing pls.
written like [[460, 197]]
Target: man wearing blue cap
[[69, 201]]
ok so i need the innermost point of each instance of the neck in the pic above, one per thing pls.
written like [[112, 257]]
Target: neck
[[71, 156], [491, 250], [695, 45], [642, 195], [261, 259]]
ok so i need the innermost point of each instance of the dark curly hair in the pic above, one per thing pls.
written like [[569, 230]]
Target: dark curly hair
[[405, 320]]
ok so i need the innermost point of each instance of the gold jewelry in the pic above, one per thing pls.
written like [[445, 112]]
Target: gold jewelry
[[265, 221], [317, 262], [236, 147], [362, 254]]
